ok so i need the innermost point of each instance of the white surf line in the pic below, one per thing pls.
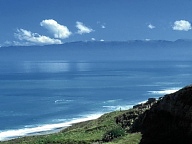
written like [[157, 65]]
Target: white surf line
[[11, 134], [165, 91]]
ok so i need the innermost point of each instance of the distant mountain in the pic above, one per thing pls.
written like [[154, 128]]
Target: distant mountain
[[134, 43], [102, 51]]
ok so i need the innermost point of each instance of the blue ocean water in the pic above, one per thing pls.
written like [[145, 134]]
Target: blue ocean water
[[38, 96]]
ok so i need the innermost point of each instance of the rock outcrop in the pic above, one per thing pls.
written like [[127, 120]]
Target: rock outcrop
[[131, 119], [169, 121]]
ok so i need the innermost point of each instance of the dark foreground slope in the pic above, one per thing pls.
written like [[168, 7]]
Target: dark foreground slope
[[169, 120]]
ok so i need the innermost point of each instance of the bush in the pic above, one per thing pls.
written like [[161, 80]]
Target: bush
[[114, 133]]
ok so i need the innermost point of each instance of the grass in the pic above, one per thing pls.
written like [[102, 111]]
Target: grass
[[84, 133], [127, 139]]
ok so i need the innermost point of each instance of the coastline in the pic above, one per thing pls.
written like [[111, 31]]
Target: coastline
[[47, 129], [56, 128], [43, 129], [92, 125]]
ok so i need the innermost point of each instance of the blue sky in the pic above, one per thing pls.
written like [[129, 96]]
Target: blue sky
[[39, 22]]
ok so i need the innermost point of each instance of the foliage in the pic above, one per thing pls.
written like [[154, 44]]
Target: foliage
[[114, 133], [133, 138]]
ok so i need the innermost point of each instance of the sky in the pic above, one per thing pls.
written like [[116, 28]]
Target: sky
[[41, 22]]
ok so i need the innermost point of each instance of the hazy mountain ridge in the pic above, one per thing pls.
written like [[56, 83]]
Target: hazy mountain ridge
[[96, 51]]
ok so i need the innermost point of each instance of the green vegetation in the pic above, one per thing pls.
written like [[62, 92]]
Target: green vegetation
[[131, 138], [114, 133], [102, 130]]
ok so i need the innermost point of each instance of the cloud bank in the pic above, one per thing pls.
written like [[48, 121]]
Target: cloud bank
[[59, 31], [82, 28], [182, 25], [35, 38]]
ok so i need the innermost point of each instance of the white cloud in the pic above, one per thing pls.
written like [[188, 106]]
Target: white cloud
[[182, 25], [7, 42], [82, 28], [102, 40], [103, 26], [59, 31], [151, 26], [30, 38], [18, 43], [93, 39]]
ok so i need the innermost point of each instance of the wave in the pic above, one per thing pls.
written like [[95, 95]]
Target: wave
[[61, 101], [183, 66], [117, 107], [141, 102], [43, 129], [164, 91]]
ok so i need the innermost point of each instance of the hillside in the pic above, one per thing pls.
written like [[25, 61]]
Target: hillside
[[169, 120]]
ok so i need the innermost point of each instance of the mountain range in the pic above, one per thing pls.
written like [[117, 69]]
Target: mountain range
[[101, 51]]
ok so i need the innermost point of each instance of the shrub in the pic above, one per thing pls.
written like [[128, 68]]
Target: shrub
[[114, 133]]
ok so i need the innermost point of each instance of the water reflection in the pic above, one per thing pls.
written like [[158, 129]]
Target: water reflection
[[54, 67], [83, 66]]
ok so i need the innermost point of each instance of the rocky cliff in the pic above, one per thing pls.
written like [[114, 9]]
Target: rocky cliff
[[169, 120], [164, 121]]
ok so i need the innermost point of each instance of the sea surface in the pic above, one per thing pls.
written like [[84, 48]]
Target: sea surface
[[41, 96]]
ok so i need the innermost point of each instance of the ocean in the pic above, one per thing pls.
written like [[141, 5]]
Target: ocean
[[43, 96]]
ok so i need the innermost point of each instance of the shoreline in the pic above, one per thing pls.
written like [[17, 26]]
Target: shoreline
[[43, 129], [89, 124], [37, 134], [51, 128], [47, 129], [59, 127]]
